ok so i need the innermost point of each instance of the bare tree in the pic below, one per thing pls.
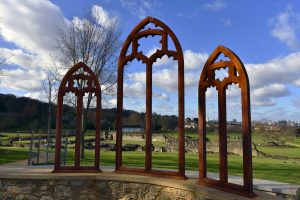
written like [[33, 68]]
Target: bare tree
[[50, 88], [96, 44]]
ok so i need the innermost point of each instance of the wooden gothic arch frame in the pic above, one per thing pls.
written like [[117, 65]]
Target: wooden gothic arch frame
[[137, 33], [79, 72], [236, 75]]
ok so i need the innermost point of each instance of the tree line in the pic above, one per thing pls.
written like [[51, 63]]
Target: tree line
[[26, 114]]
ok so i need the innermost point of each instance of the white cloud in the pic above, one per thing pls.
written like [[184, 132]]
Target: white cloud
[[36, 95], [233, 91], [225, 21], [109, 103], [263, 102], [163, 61], [20, 58], [19, 79], [215, 5], [162, 96], [297, 82], [211, 92], [273, 90], [282, 70], [194, 60], [31, 26], [140, 8], [264, 96], [286, 27], [167, 79], [102, 16], [268, 81], [134, 90]]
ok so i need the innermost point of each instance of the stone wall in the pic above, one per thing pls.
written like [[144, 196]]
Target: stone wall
[[191, 145], [138, 136], [35, 189]]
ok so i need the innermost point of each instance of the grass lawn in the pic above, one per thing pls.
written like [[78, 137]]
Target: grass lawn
[[264, 168], [281, 151], [295, 141], [7, 136], [12, 154]]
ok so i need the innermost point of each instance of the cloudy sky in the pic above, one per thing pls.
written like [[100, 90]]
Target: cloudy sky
[[264, 34]]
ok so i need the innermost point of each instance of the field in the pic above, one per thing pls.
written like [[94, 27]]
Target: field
[[284, 170], [263, 168], [12, 154]]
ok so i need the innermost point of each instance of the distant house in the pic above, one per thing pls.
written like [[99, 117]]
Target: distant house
[[191, 125], [133, 128]]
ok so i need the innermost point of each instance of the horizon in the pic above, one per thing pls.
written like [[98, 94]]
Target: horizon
[[268, 43], [261, 120]]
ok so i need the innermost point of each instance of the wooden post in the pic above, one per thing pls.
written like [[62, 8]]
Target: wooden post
[[223, 170], [66, 148], [78, 128], [30, 149], [39, 149], [148, 157]]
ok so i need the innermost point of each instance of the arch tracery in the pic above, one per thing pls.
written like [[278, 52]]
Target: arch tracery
[[236, 75], [132, 43], [79, 80]]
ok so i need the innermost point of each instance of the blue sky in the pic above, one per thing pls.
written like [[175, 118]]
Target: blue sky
[[264, 34]]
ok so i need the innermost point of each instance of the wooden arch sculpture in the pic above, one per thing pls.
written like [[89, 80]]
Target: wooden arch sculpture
[[236, 75], [137, 33], [83, 75]]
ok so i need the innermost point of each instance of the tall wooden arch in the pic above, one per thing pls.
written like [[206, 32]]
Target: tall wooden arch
[[137, 33], [236, 75], [78, 74]]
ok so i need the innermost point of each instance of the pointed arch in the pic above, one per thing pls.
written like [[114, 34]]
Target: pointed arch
[[79, 80], [236, 75], [132, 41]]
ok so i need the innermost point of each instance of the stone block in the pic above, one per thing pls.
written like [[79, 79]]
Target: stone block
[[62, 191], [77, 184], [43, 188], [25, 197], [14, 189], [46, 198], [8, 197]]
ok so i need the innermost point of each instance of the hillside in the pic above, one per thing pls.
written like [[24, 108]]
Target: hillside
[[26, 114]]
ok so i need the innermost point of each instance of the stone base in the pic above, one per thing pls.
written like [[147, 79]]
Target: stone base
[[107, 185]]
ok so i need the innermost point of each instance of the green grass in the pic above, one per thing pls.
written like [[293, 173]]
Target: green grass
[[295, 141], [12, 154], [281, 151], [263, 168], [7, 136]]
